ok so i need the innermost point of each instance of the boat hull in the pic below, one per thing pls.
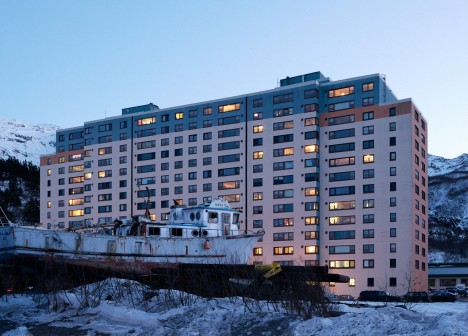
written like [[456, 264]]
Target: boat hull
[[129, 254]]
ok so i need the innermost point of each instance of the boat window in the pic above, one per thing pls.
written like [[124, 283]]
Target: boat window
[[177, 232], [192, 216], [198, 215], [154, 231], [226, 218], [212, 217], [235, 218], [195, 233]]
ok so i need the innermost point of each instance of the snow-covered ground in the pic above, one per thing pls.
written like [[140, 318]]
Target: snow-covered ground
[[118, 307]]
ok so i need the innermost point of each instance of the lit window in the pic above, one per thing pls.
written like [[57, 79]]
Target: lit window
[[258, 129], [229, 107], [179, 115], [146, 121], [258, 155], [258, 251], [49, 204], [311, 149], [368, 158], [312, 249], [352, 282], [341, 92], [311, 191], [257, 196], [75, 213]]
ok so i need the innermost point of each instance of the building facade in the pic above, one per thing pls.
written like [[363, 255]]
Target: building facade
[[335, 172]]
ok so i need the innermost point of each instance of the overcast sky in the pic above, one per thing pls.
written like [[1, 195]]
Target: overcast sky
[[67, 62]]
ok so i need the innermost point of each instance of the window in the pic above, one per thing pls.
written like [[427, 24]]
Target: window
[[392, 141], [341, 92], [393, 217], [311, 249], [207, 123], [368, 263], [368, 233], [368, 188], [341, 147], [311, 93], [286, 179], [345, 133], [310, 108], [392, 186], [310, 121], [341, 263], [341, 120], [283, 112], [341, 106], [228, 171], [368, 218], [258, 168], [342, 220], [368, 203], [368, 248], [207, 111], [258, 102], [257, 155], [393, 232], [284, 98], [367, 87], [392, 171], [368, 116], [287, 193], [257, 210], [146, 121], [341, 249], [393, 201], [368, 173], [228, 185], [258, 182], [345, 161], [367, 101], [257, 196], [342, 205], [229, 120], [258, 251], [368, 144], [281, 236], [207, 187], [280, 222], [368, 130], [336, 235], [228, 107], [368, 158], [350, 190], [283, 250], [258, 128], [282, 152], [392, 126]]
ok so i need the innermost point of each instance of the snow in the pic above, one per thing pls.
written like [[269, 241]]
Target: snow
[[121, 307], [26, 141], [441, 166]]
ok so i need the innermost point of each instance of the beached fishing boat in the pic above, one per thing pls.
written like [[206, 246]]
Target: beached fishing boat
[[203, 234]]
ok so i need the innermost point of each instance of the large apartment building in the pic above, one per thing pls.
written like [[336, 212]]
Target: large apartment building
[[335, 172]]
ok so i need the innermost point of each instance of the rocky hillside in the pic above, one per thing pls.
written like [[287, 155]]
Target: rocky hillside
[[448, 208]]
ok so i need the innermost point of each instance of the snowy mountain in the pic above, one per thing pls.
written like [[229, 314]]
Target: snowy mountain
[[26, 141], [448, 208]]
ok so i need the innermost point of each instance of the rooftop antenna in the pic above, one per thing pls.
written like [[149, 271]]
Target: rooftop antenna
[[384, 78]]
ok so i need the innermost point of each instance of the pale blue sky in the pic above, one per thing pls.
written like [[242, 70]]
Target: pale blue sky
[[67, 62]]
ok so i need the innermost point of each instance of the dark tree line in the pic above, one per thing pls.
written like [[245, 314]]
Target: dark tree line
[[19, 190]]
